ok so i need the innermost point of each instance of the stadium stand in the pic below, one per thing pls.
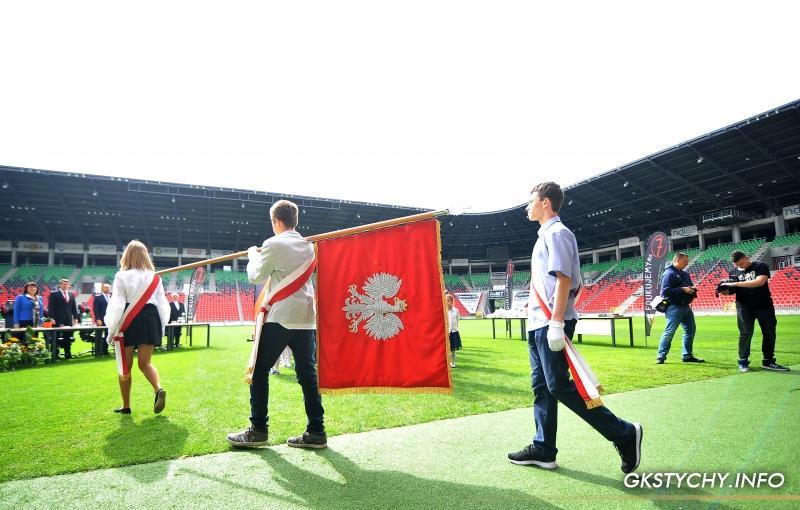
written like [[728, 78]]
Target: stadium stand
[[453, 283], [593, 271], [521, 279], [480, 281], [786, 240]]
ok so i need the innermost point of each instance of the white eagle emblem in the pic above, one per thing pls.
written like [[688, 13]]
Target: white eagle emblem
[[382, 322]]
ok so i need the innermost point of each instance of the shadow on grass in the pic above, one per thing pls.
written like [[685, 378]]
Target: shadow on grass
[[152, 438], [370, 489]]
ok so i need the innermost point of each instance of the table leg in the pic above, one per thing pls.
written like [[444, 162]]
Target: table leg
[[494, 334], [630, 329], [208, 335], [190, 336], [580, 338], [613, 333]]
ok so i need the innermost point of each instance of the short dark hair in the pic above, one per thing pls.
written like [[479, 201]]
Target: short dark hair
[[29, 284], [552, 191], [285, 211], [737, 255]]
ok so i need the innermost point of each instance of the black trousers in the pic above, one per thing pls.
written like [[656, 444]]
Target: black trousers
[[100, 344], [174, 335], [275, 338], [65, 339], [746, 318]]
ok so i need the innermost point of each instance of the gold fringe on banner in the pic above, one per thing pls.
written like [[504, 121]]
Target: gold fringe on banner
[[384, 390], [444, 308]]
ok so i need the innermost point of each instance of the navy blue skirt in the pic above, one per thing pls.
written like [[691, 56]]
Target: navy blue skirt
[[145, 329], [455, 341]]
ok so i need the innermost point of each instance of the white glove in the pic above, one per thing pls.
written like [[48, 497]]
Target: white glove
[[555, 336], [110, 340], [252, 252]]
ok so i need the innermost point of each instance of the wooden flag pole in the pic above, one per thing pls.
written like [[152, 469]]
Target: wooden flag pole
[[319, 237]]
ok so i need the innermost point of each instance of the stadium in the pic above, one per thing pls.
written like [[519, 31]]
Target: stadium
[[736, 188]]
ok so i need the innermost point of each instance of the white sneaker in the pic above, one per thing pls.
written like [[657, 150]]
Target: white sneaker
[[744, 369]]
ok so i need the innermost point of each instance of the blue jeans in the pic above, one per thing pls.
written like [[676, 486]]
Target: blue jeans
[[274, 338], [551, 385], [678, 315]]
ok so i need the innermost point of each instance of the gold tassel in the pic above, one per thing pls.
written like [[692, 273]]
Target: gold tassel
[[595, 402]]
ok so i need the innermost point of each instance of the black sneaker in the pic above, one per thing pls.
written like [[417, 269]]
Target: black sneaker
[[630, 451], [123, 410], [161, 400], [248, 438], [309, 440], [530, 455], [774, 366], [660, 361], [692, 359]]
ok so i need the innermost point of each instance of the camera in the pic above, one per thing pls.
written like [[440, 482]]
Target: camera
[[724, 289]]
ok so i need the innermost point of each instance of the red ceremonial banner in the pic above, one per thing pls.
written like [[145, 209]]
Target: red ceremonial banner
[[381, 315]]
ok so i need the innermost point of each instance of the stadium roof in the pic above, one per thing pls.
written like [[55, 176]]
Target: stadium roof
[[752, 166]]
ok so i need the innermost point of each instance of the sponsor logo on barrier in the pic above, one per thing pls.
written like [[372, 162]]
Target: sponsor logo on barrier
[[792, 211]]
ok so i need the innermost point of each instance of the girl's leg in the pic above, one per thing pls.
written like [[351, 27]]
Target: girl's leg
[[125, 386], [147, 368]]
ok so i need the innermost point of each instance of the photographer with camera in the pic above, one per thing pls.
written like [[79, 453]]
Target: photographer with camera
[[749, 281], [679, 291]]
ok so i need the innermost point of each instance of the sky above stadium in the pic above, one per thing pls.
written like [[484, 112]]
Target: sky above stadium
[[454, 104]]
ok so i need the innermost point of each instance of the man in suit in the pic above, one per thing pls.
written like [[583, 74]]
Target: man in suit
[[176, 309], [99, 306], [63, 309]]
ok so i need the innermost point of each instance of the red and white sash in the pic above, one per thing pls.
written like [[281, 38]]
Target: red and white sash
[[586, 381], [293, 282], [128, 315]]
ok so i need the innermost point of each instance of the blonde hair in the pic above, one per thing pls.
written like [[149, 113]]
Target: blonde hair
[[135, 256]]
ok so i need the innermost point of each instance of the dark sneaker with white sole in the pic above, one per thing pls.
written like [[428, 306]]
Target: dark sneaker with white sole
[[774, 366], [248, 438], [630, 450], [161, 400], [532, 456], [309, 440]]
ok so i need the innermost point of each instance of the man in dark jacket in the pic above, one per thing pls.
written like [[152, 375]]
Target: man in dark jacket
[[176, 309], [99, 306], [678, 289], [749, 281], [63, 309]]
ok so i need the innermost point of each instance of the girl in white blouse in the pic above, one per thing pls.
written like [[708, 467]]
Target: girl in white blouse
[[455, 336], [147, 329]]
